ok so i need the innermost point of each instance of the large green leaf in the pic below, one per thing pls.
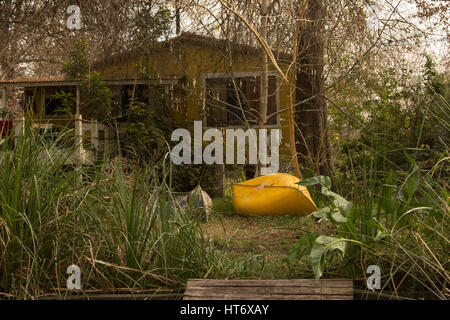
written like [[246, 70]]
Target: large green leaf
[[413, 179], [339, 201], [340, 207], [337, 215], [322, 245], [322, 180], [321, 213]]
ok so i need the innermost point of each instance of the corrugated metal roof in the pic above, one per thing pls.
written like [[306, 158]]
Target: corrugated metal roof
[[33, 79]]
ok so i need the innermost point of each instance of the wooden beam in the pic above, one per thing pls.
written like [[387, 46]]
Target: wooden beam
[[94, 137], [119, 296], [108, 82], [143, 82], [283, 289], [332, 283], [31, 84], [77, 106]]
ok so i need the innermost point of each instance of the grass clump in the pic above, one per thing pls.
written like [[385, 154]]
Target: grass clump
[[120, 225]]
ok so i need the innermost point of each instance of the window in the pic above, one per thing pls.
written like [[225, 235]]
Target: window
[[52, 105], [236, 101]]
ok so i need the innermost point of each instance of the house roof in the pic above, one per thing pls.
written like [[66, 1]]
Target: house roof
[[183, 38], [32, 79], [191, 39], [61, 81]]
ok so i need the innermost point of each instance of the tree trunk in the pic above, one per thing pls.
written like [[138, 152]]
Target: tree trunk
[[6, 68], [262, 118], [177, 17], [265, 66], [311, 116]]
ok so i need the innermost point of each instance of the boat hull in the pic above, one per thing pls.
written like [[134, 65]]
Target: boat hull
[[272, 195]]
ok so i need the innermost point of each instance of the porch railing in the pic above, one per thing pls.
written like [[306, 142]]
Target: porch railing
[[90, 136]]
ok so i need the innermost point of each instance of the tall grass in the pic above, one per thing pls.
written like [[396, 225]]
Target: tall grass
[[34, 188], [399, 220], [120, 225], [402, 216], [404, 224]]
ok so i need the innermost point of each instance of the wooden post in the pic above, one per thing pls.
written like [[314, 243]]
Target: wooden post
[[77, 106], [94, 136], [79, 152], [79, 136], [220, 180], [19, 129]]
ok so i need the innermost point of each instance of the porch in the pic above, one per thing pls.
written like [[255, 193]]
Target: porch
[[40, 106]]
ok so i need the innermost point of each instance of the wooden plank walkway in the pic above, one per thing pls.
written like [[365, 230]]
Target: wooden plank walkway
[[295, 289]]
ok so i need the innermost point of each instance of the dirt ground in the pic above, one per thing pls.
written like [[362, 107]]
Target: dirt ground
[[259, 243]]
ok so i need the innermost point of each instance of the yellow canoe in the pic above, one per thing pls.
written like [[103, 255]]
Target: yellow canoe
[[272, 195]]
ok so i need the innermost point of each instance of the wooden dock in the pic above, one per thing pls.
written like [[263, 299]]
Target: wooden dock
[[295, 289]]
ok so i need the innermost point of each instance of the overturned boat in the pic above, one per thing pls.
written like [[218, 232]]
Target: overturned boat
[[272, 195]]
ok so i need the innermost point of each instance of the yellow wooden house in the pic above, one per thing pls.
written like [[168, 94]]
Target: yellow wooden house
[[213, 80]]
